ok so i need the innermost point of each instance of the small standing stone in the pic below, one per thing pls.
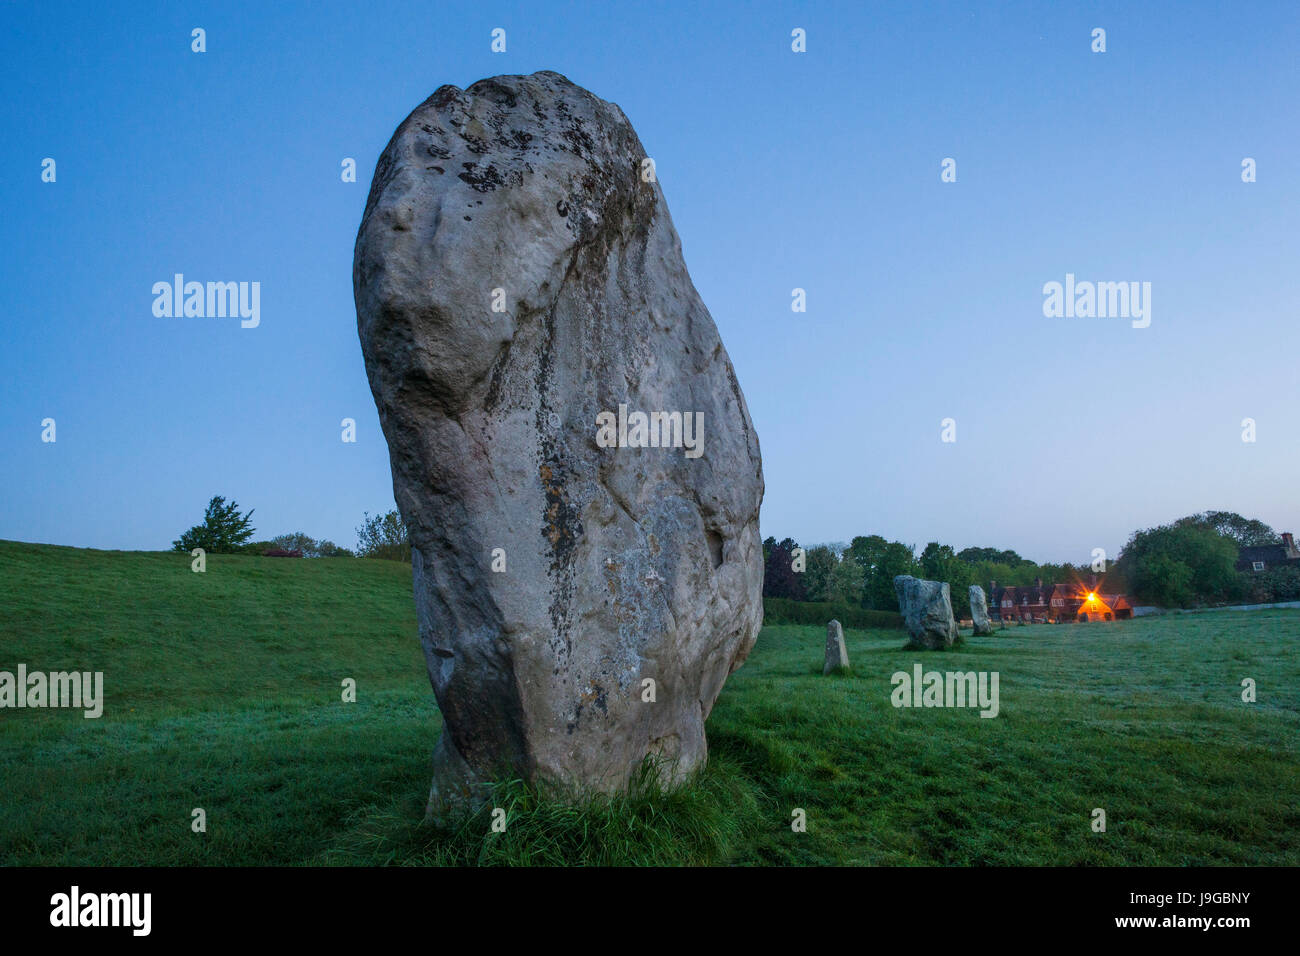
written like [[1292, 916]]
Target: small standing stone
[[979, 612], [837, 655]]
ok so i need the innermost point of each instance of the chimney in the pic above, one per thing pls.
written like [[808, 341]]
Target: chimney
[[1289, 543], [1038, 582]]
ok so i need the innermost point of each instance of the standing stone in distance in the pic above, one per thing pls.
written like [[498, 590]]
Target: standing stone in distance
[[837, 655], [979, 612], [927, 612], [522, 305]]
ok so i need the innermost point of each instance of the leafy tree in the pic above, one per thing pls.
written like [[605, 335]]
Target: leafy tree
[[1062, 574], [384, 536], [1244, 531], [1024, 573], [847, 582], [1275, 584], [939, 563], [991, 555], [309, 546], [879, 561], [328, 549], [985, 573], [1114, 581], [867, 551], [779, 577], [295, 541], [898, 559], [1181, 564], [224, 529], [1164, 580], [819, 576]]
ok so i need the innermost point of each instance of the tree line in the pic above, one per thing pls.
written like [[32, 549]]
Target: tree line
[[1187, 563], [1190, 562], [862, 572], [225, 531]]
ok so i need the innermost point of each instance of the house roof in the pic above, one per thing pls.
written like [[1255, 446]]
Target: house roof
[[1273, 555], [1262, 552]]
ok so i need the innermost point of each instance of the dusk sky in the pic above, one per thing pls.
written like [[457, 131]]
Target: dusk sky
[[817, 170]]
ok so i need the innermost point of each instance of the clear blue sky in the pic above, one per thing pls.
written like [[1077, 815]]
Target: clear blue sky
[[817, 170]]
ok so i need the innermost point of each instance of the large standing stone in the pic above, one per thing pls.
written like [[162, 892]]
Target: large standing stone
[[927, 612], [837, 655], [979, 612], [519, 283]]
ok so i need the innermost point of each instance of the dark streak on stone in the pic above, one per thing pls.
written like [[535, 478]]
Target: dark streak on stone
[[483, 182]]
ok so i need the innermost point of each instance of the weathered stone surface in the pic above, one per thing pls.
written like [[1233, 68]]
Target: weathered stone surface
[[623, 565], [979, 612], [927, 612], [837, 655]]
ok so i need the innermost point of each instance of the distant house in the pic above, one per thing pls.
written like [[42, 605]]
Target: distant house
[[1057, 602], [1265, 557], [1097, 606], [1023, 603]]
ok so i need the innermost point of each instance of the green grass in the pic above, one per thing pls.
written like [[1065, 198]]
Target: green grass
[[223, 691]]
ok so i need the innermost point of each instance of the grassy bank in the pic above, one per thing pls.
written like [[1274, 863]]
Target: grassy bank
[[224, 692]]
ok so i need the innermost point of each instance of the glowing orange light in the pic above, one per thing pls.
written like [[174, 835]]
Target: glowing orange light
[[1092, 597]]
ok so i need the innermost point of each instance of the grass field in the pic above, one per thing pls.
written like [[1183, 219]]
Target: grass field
[[223, 691]]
